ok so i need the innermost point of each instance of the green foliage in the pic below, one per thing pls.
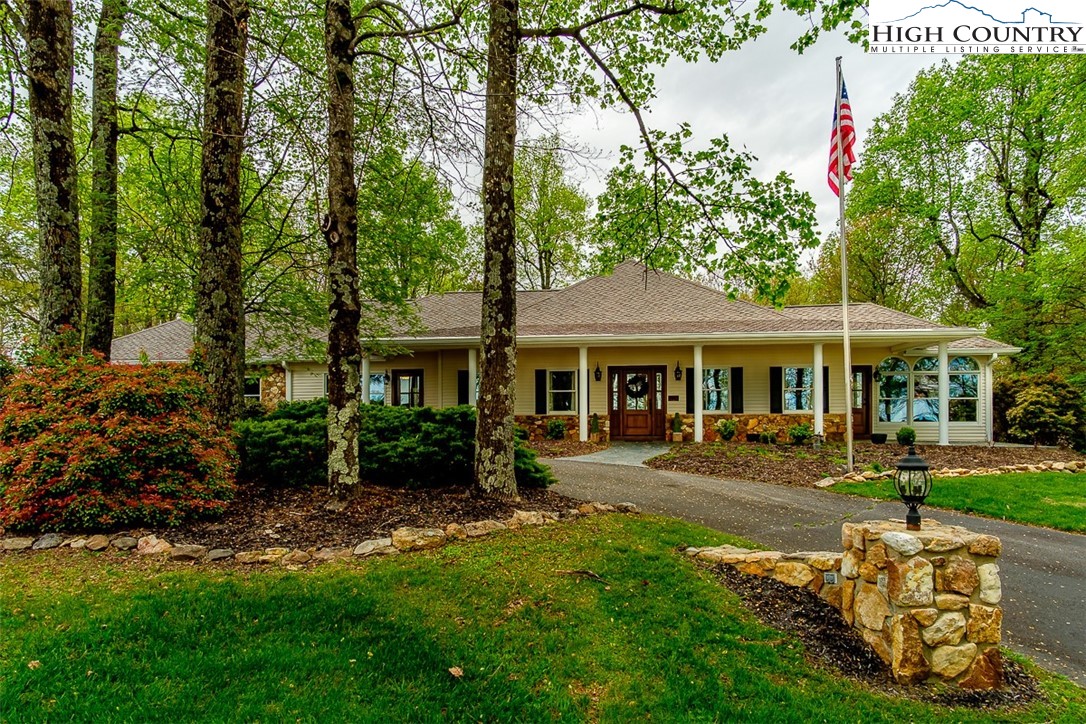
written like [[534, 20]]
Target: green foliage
[[801, 433], [90, 445], [556, 429], [1036, 415], [594, 424], [1064, 400], [767, 437], [726, 429], [676, 423], [414, 447], [905, 436]]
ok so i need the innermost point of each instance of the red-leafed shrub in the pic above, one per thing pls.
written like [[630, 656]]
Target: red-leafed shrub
[[84, 444]]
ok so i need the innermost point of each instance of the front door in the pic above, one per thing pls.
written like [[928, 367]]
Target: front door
[[637, 397], [861, 401]]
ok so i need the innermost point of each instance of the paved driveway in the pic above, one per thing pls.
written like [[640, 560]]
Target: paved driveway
[[1043, 571]]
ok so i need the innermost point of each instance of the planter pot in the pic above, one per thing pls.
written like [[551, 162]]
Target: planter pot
[[593, 437], [753, 437], [676, 437], [878, 438]]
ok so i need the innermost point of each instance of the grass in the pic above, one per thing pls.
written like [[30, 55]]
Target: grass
[[656, 639], [1052, 499]]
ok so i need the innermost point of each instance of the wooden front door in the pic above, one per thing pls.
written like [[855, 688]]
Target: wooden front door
[[637, 407], [861, 401]]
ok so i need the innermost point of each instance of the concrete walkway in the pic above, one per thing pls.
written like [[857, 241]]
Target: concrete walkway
[[1043, 571], [625, 453]]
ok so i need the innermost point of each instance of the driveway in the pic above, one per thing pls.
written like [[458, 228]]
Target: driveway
[[1043, 571]]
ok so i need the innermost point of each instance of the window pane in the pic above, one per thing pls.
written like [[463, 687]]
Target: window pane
[[857, 390], [963, 386], [637, 391], [659, 390], [926, 386], [927, 364], [562, 380], [797, 388], [926, 409], [252, 387], [963, 410], [963, 364], [562, 401], [714, 384], [614, 390], [893, 364], [377, 389], [893, 397], [892, 410]]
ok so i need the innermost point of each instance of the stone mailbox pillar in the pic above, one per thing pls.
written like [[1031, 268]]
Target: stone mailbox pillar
[[927, 601]]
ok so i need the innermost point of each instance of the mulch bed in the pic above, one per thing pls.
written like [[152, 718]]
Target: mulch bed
[[262, 517], [565, 448], [803, 466], [832, 644]]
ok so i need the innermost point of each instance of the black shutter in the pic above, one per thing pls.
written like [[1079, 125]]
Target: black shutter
[[825, 389], [541, 392], [776, 389], [461, 387], [690, 390], [736, 378]]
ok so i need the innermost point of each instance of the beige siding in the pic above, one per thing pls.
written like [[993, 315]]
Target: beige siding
[[433, 387], [307, 381]]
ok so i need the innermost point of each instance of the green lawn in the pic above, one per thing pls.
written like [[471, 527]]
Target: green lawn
[[656, 639], [1054, 500]]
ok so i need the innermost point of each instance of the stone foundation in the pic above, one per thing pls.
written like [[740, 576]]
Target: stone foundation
[[536, 425], [833, 425], [926, 601], [273, 385]]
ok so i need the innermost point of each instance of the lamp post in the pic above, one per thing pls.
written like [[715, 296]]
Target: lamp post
[[913, 483]]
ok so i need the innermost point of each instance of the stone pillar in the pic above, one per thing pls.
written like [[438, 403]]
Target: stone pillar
[[927, 601], [473, 373], [816, 390], [365, 379], [699, 402], [944, 396], [582, 394]]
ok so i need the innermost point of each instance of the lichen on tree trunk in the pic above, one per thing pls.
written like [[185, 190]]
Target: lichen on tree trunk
[[341, 235], [102, 263], [49, 67], [220, 319], [494, 436]]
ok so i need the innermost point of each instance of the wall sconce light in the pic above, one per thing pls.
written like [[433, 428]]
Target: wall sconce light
[[678, 371], [598, 373]]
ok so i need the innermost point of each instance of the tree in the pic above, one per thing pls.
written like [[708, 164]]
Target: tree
[[220, 321], [102, 279], [552, 217]]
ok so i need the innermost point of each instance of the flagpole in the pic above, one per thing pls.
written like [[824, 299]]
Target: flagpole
[[846, 342]]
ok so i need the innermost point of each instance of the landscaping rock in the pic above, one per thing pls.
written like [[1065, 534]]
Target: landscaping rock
[[986, 673], [991, 589], [525, 517], [986, 545], [826, 482], [77, 543], [794, 574], [950, 661], [870, 607], [97, 543], [926, 616], [959, 576], [910, 583], [331, 553], [948, 629], [296, 558], [951, 602], [550, 517], [908, 663], [150, 545], [985, 624], [903, 543], [627, 508], [483, 527], [124, 543], [417, 539], [273, 555], [219, 554], [47, 541], [249, 557], [377, 546], [187, 553], [18, 544], [944, 544], [453, 531]]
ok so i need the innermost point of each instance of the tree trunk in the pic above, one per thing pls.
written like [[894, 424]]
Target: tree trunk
[[102, 264], [49, 66], [220, 320], [494, 443], [341, 234]]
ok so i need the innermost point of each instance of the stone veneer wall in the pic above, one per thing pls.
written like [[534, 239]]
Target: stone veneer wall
[[536, 425], [754, 424], [926, 601], [273, 385]]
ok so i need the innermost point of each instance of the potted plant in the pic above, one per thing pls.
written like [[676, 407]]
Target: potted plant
[[878, 438], [906, 436], [594, 428], [676, 428], [726, 429], [801, 433]]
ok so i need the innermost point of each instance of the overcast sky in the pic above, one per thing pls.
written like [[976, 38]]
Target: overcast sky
[[767, 98]]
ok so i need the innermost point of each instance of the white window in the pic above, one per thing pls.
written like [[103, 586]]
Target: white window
[[561, 390], [892, 376], [252, 388], [926, 390], [798, 382], [714, 386], [912, 395], [377, 389], [964, 383]]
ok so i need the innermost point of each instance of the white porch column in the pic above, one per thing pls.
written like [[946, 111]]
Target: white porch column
[[365, 379], [582, 394], [699, 401], [473, 372], [944, 396], [816, 389], [989, 396]]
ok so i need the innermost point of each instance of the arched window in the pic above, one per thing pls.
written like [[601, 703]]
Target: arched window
[[926, 390], [964, 386], [893, 379]]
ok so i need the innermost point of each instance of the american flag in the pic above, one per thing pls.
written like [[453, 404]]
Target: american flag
[[843, 137]]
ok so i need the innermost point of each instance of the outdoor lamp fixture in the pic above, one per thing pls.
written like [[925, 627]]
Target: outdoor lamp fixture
[[598, 373], [913, 483], [678, 371]]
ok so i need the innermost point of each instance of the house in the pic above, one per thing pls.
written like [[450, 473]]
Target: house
[[636, 346]]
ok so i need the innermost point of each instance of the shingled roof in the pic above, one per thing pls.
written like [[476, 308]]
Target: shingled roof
[[172, 342]]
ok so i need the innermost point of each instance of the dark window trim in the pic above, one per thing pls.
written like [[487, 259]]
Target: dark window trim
[[397, 375]]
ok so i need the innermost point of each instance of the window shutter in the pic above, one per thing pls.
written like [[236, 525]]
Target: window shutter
[[736, 378], [461, 387], [776, 389], [690, 390], [826, 389], [541, 392]]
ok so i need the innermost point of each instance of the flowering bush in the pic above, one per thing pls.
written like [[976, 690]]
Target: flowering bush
[[88, 444]]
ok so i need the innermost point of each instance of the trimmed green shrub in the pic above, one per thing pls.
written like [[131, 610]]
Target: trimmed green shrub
[[905, 436], [1070, 402], [86, 444], [594, 424], [801, 433], [676, 423], [769, 438], [556, 430], [1037, 417], [726, 429]]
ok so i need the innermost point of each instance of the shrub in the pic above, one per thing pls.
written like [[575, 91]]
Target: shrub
[[85, 444], [1069, 402], [556, 430], [1037, 417], [594, 424], [905, 436], [768, 438], [676, 423], [801, 433], [726, 429]]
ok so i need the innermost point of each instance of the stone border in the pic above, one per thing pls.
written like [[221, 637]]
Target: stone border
[[402, 540], [1075, 466]]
